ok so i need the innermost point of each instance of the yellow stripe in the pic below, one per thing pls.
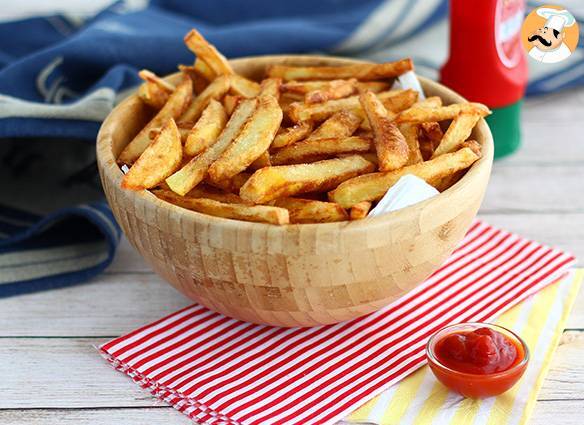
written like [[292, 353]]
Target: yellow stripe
[[432, 405], [501, 410], [403, 396], [363, 412], [560, 326]]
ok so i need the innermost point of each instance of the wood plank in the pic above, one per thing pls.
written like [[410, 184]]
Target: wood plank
[[108, 306], [63, 373], [537, 188], [560, 108], [109, 416], [558, 412]]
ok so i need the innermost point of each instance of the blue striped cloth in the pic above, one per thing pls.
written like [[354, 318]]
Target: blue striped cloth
[[60, 76]]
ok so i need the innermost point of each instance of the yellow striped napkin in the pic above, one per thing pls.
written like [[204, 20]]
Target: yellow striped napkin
[[420, 399]]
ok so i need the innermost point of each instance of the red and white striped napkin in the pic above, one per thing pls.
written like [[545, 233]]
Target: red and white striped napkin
[[219, 370]]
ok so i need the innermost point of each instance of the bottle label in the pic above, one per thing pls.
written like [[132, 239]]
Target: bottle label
[[508, 20]]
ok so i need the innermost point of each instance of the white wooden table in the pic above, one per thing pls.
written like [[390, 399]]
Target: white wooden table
[[50, 372]]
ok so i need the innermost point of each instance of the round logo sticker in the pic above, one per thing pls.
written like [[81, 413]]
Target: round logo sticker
[[550, 34]]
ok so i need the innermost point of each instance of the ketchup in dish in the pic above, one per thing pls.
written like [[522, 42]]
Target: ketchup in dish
[[477, 359]]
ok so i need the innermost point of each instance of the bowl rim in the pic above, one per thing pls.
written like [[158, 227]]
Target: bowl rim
[[111, 171]]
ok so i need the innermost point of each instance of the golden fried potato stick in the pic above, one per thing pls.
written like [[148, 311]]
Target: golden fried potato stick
[[316, 150], [340, 124], [215, 90], [262, 161], [458, 131], [359, 211], [429, 102], [199, 77], [271, 87], [402, 102], [183, 128], [390, 144], [204, 69], [155, 91], [337, 89], [230, 102], [418, 115], [429, 136], [241, 86], [207, 53], [319, 111], [372, 187], [288, 180], [196, 169], [245, 212], [206, 129], [174, 107], [304, 211], [300, 88], [160, 159], [233, 185], [361, 72], [446, 182], [253, 140], [292, 134], [410, 133], [201, 191]]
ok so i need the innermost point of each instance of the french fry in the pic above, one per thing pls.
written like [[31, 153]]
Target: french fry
[[402, 102], [429, 136], [254, 139], [155, 91], [174, 107], [372, 187], [429, 102], [315, 150], [448, 181], [287, 180], [262, 161], [418, 115], [198, 75], [230, 102], [410, 133], [362, 72], [207, 128], [232, 185], [359, 211], [374, 86], [337, 89], [215, 90], [320, 111], [304, 211], [197, 168], [472, 145], [255, 213], [292, 134], [204, 69], [241, 86], [390, 144], [182, 129], [201, 191], [160, 159], [151, 77], [207, 53], [340, 124], [458, 131], [271, 87]]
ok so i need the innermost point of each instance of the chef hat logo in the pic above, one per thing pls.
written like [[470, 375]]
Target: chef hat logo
[[550, 34]]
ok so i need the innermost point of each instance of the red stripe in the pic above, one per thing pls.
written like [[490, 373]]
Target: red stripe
[[332, 355]]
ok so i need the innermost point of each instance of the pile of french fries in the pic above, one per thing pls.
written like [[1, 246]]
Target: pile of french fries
[[304, 145]]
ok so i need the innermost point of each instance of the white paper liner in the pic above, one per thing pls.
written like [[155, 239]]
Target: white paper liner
[[408, 190]]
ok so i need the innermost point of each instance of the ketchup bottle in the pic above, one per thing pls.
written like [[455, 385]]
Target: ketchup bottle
[[487, 63]]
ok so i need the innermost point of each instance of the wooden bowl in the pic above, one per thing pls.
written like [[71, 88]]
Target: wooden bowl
[[295, 275]]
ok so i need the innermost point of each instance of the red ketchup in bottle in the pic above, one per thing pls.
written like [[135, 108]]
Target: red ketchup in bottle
[[487, 63]]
